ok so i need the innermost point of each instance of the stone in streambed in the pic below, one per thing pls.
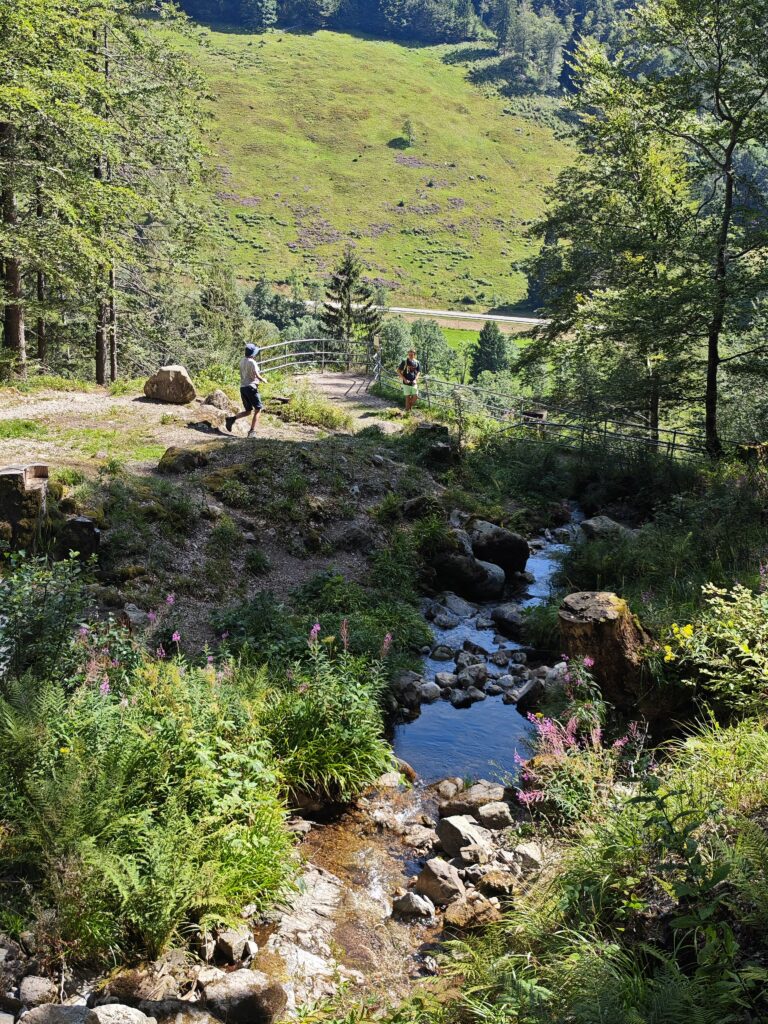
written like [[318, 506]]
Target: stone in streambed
[[473, 675], [51, 1014], [430, 692], [446, 680], [442, 653], [469, 801], [509, 619], [114, 1013], [34, 991], [439, 881], [457, 605], [493, 543], [498, 882], [246, 997], [230, 943], [456, 832], [495, 815], [470, 576], [411, 904], [467, 913]]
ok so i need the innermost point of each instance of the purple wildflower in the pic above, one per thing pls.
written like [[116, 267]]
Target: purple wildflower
[[225, 635], [531, 796], [588, 662], [313, 634], [170, 599], [210, 659], [152, 616], [176, 636], [386, 645], [160, 651], [104, 688], [83, 631]]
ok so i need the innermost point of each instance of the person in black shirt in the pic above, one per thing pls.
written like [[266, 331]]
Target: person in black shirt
[[408, 372]]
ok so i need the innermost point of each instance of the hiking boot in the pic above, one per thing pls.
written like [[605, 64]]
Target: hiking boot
[[251, 433], [229, 422]]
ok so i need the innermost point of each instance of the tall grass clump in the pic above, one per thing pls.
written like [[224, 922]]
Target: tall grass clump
[[326, 724]]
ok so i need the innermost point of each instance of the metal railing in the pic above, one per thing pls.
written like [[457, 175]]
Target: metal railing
[[511, 413], [316, 354]]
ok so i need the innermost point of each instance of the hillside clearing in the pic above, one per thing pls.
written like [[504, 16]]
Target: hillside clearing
[[311, 156]]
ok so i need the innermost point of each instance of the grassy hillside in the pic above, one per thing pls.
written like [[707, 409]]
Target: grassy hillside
[[311, 155]]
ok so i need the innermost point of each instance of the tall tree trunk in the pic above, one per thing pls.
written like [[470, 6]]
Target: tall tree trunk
[[14, 335], [654, 403], [42, 327], [102, 340], [112, 326], [715, 330]]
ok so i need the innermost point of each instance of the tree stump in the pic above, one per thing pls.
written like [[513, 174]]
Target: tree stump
[[599, 625]]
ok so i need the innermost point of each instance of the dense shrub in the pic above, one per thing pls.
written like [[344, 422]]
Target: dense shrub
[[723, 653], [142, 811], [326, 725]]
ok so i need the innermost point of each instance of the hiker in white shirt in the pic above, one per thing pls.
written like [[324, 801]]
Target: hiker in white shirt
[[250, 378]]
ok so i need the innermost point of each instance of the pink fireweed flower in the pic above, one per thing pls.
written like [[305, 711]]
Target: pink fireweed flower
[[345, 633], [170, 599], [115, 662], [104, 688], [314, 633], [596, 735], [386, 645], [83, 631], [569, 736], [152, 616], [588, 662], [176, 636], [518, 759], [620, 743], [210, 659], [531, 796]]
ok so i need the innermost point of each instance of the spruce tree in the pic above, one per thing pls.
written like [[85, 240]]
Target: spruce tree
[[490, 352], [349, 312]]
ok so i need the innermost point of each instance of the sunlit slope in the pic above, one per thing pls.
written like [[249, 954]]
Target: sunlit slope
[[309, 145]]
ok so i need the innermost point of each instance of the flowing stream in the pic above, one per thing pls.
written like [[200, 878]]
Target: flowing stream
[[479, 741]]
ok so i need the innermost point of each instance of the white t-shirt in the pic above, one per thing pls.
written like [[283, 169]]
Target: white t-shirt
[[249, 371]]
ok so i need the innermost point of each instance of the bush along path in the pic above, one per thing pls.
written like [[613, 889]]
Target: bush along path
[[194, 774]]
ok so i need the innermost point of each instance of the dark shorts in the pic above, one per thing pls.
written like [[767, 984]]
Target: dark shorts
[[251, 399]]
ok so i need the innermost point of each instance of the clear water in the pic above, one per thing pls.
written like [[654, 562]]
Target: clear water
[[479, 741]]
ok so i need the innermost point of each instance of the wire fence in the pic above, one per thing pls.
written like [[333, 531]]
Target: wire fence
[[515, 414]]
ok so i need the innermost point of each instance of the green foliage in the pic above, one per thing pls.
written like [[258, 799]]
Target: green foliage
[[140, 812], [349, 312], [326, 726], [14, 430], [41, 604], [723, 654], [490, 354], [711, 532], [311, 409], [257, 562]]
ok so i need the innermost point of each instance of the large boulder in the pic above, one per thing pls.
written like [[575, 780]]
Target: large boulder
[[599, 625], [604, 528], [456, 832], [468, 576], [439, 881], [412, 905], [246, 997], [171, 384], [220, 400], [493, 543]]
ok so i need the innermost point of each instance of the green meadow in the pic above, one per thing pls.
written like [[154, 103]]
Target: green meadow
[[310, 152]]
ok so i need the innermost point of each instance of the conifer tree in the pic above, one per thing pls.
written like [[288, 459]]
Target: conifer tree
[[490, 353], [349, 312]]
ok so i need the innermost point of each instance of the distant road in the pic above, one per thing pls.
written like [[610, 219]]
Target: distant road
[[459, 314], [454, 314]]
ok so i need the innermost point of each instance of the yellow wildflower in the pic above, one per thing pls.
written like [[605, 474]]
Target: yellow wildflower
[[687, 630], [668, 653], [64, 750]]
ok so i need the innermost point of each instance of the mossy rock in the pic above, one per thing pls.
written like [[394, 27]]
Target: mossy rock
[[182, 460]]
